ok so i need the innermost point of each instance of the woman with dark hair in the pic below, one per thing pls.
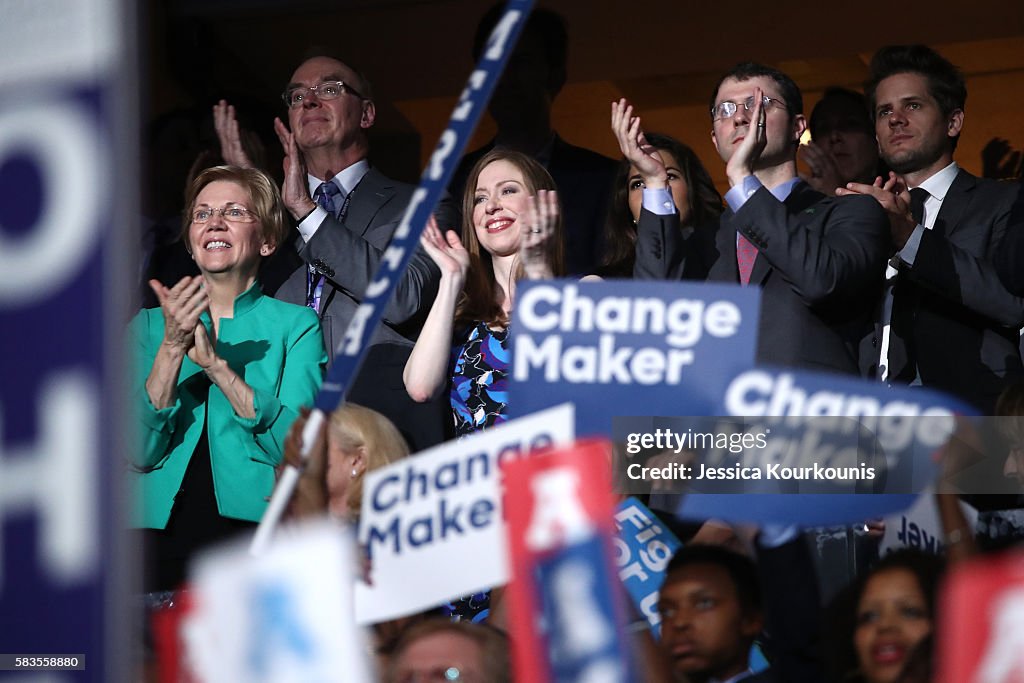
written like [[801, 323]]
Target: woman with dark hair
[[512, 228], [695, 196], [842, 148], [886, 614], [221, 372]]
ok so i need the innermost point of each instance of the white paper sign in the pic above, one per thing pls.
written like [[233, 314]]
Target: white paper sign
[[919, 527], [433, 522], [284, 616]]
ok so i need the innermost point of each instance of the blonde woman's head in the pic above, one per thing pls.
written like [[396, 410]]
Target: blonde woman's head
[[359, 440]]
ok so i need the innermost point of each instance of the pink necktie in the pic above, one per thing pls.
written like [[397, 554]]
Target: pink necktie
[[746, 254]]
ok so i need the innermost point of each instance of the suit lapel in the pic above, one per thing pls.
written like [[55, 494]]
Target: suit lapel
[[955, 203], [372, 193], [725, 268], [800, 199]]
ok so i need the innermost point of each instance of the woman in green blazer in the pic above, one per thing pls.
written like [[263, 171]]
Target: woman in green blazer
[[221, 372]]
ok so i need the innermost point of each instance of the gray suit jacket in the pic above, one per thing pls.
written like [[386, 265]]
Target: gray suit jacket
[[349, 253]]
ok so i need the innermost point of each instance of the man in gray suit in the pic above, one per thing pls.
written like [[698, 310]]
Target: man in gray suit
[[346, 213], [948, 323]]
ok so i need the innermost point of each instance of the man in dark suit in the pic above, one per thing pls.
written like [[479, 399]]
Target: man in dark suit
[[347, 212], [521, 108], [947, 322], [1010, 256], [817, 259]]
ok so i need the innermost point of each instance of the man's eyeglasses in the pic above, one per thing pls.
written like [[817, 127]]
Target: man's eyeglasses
[[328, 90], [232, 214], [726, 110]]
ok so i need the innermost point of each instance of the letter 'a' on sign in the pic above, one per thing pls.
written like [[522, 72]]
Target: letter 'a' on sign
[[565, 610]]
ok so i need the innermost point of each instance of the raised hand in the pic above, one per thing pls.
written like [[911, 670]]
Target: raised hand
[[295, 188], [537, 235], [181, 304], [633, 144], [446, 250], [999, 160], [744, 158], [824, 173], [230, 137]]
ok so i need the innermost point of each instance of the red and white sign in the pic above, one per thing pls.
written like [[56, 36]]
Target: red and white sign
[[981, 635], [565, 598]]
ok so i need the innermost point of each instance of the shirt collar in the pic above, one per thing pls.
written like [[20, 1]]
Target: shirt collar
[[735, 679], [244, 302], [782, 191], [346, 180], [938, 184]]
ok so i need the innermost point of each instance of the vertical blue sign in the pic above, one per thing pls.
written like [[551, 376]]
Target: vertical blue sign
[[65, 221]]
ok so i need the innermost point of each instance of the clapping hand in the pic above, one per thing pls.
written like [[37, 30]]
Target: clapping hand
[[537, 235], [446, 250], [824, 176], [181, 304], [744, 158], [295, 188], [203, 352], [893, 195]]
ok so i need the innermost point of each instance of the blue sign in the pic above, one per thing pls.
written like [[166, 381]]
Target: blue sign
[[629, 348], [831, 449], [643, 547], [67, 214]]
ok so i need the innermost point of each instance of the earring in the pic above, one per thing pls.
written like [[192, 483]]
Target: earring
[[355, 473]]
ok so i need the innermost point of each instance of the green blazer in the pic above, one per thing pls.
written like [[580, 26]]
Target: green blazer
[[278, 349]]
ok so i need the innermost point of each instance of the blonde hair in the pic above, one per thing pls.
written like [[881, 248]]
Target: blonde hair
[[352, 427], [264, 200]]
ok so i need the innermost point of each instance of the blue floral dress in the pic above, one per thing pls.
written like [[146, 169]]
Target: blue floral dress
[[479, 371]]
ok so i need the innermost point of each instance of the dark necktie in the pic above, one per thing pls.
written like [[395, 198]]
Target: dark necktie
[[902, 356], [918, 196], [746, 254]]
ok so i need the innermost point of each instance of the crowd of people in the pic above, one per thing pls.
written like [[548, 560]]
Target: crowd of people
[[883, 259]]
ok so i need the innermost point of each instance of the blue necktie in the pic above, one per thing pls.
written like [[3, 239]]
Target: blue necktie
[[329, 198]]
